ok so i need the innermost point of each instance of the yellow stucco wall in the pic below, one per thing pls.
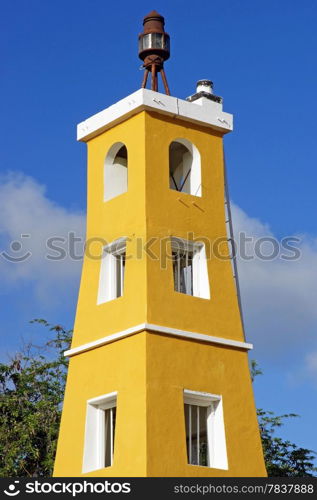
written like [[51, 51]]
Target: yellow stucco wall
[[121, 216], [174, 365], [149, 209], [167, 216], [149, 370], [120, 367]]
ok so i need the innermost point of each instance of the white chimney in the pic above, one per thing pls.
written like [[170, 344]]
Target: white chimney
[[205, 86]]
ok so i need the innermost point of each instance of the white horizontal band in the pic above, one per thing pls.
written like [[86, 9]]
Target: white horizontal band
[[160, 329], [203, 111]]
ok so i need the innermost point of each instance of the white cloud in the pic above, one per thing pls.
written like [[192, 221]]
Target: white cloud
[[279, 296], [25, 210], [311, 364]]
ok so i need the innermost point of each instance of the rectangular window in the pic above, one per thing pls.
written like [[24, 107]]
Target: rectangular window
[[109, 416], [190, 268], [205, 434], [100, 432], [112, 271], [196, 434], [183, 271], [120, 268]]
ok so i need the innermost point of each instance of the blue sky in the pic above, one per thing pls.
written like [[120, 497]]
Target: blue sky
[[63, 61]]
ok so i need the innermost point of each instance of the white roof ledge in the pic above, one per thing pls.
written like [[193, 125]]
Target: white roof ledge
[[203, 112]]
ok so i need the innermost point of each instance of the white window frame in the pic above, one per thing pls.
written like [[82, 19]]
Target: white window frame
[[216, 439], [95, 439], [200, 281], [115, 173], [111, 277], [192, 184]]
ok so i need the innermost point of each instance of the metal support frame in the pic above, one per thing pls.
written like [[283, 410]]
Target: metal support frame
[[154, 69]]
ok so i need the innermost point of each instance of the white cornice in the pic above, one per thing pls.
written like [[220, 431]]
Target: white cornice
[[202, 337], [202, 111]]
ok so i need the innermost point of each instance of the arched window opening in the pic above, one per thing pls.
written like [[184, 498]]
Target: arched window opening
[[116, 171], [184, 167]]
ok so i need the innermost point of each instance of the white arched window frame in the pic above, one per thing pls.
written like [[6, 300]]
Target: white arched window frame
[[184, 167], [116, 171]]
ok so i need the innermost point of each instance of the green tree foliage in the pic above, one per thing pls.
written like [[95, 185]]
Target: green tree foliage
[[282, 457], [31, 393]]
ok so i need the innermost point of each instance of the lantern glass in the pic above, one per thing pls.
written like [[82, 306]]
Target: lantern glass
[[154, 41]]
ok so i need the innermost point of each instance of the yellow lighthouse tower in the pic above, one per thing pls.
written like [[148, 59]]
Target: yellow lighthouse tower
[[158, 381]]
